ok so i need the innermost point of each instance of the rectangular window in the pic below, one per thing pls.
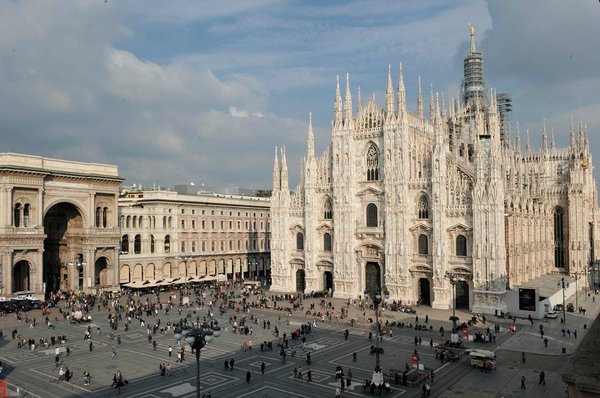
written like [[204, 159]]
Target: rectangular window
[[203, 224], [221, 224], [230, 224], [193, 224], [246, 224], [203, 246], [182, 224], [222, 246], [239, 245], [183, 247], [212, 223], [239, 224]]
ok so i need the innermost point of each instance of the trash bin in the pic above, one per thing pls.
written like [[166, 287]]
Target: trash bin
[[564, 350]]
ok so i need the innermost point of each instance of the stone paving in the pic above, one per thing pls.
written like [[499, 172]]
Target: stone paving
[[35, 371]]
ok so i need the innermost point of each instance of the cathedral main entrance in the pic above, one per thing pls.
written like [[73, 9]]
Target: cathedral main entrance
[[327, 281], [372, 278], [424, 291], [462, 295], [300, 281]]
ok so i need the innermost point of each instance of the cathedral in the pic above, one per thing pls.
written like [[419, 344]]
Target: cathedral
[[420, 205]]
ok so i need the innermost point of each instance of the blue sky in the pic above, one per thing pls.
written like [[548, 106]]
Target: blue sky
[[176, 91]]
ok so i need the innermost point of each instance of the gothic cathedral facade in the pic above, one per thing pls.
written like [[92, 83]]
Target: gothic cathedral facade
[[400, 202]]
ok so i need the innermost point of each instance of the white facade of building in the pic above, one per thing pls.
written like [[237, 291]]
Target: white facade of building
[[165, 235], [399, 199]]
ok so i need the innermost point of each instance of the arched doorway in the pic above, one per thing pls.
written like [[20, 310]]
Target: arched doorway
[[150, 274], [327, 281], [100, 271], [462, 295], [424, 291], [63, 225], [300, 281], [138, 273], [372, 278], [20, 277], [124, 274]]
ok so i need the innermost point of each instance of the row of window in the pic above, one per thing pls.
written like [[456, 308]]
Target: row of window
[[423, 244], [101, 217], [137, 222], [252, 244]]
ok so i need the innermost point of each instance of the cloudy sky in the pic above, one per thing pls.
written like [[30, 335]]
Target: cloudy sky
[[176, 91]]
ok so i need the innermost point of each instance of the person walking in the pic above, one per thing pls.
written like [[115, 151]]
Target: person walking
[[248, 376], [309, 376], [338, 393], [523, 383], [231, 363], [542, 378], [354, 355], [170, 351], [91, 346], [262, 367], [114, 353]]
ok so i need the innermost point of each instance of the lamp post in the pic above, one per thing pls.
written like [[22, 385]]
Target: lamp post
[[185, 258], [377, 299], [453, 279], [197, 337], [576, 275], [79, 264], [564, 287]]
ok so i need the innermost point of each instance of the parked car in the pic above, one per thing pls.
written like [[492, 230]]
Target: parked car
[[551, 315], [558, 307], [570, 307]]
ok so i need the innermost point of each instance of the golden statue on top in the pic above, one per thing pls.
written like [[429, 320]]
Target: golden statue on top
[[472, 30]]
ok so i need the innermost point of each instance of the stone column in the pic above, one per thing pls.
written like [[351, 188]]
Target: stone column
[[38, 276]]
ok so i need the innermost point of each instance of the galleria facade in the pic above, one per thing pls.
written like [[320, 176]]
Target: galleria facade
[[399, 201]]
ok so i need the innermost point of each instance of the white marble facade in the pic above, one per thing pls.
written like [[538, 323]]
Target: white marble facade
[[398, 199]]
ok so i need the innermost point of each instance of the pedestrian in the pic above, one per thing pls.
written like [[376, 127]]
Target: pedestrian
[[248, 376], [354, 355], [309, 376], [546, 342], [170, 350], [114, 352], [370, 336], [523, 383], [226, 365], [154, 345], [426, 318], [346, 334], [178, 357], [523, 356], [342, 383], [231, 363], [91, 346], [575, 333], [263, 366], [338, 392], [68, 351], [56, 360], [542, 378], [118, 339]]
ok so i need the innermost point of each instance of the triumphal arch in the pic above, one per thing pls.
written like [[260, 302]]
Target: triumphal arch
[[58, 225]]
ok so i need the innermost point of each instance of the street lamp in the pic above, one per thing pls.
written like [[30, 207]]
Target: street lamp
[[377, 299], [453, 279], [576, 274], [197, 337], [79, 264], [564, 287], [185, 258]]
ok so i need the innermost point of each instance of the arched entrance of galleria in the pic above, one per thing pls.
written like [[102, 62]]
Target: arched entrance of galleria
[[63, 226]]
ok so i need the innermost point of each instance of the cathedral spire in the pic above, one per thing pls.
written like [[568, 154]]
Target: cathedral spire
[[310, 140], [276, 175], [544, 138], [337, 108], [572, 135], [553, 143], [284, 172], [359, 102], [580, 134], [347, 102], [431, 108], [527, 144], [389, 94], [472, 33], [401, 93], [420, 101], [518, 139]]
